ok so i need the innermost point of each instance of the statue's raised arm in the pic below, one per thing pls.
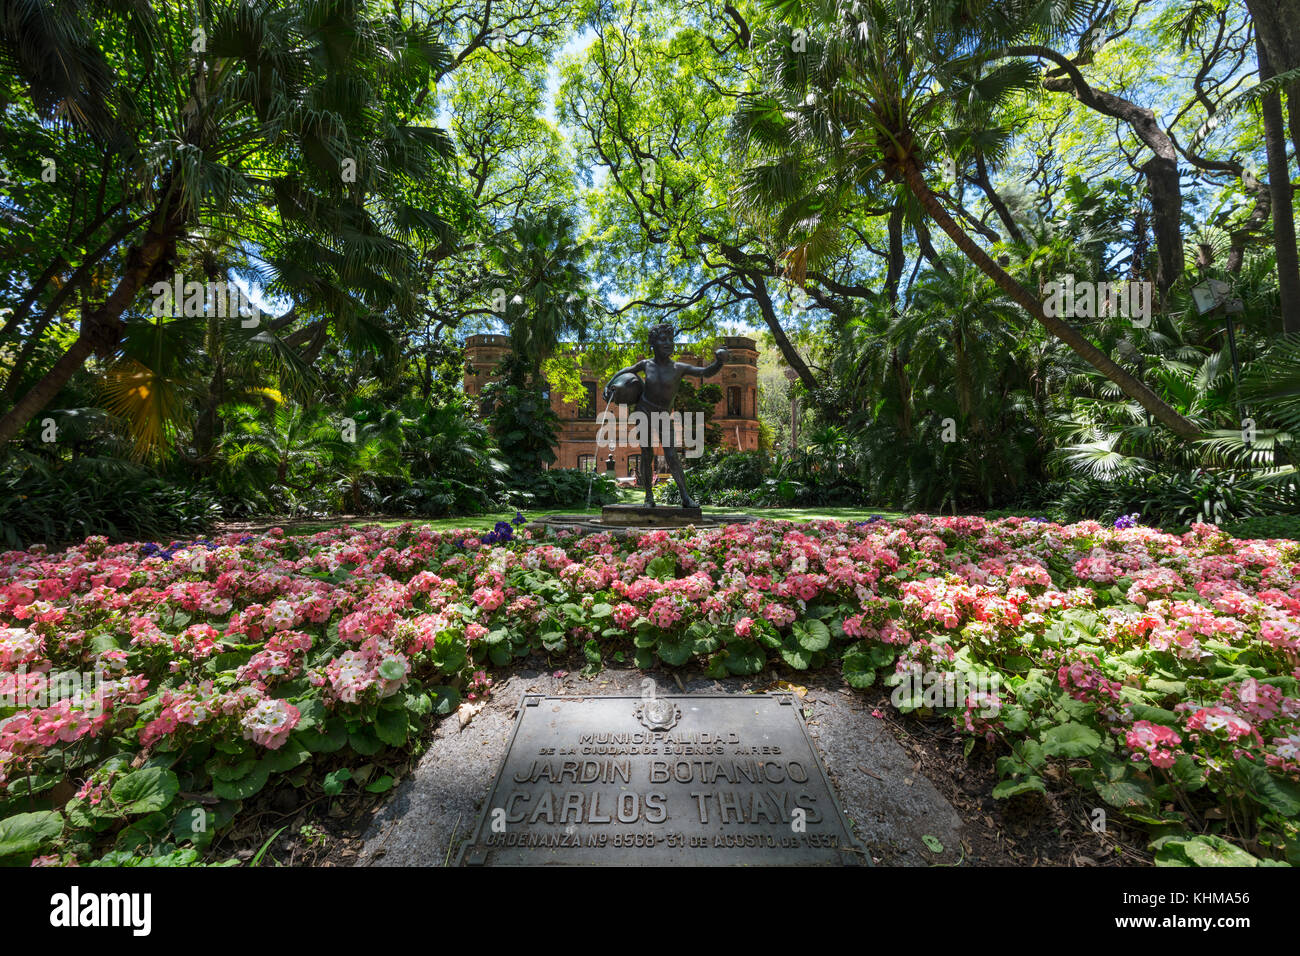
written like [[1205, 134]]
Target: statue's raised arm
[[707, 371]]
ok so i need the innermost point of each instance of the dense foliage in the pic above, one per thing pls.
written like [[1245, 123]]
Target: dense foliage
[[286, 175], [889, 191], [91, 498]]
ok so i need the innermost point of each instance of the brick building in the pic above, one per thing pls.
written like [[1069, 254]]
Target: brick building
[[736, 413]]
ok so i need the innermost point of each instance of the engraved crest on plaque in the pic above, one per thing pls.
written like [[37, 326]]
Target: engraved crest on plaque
[[658, 713]]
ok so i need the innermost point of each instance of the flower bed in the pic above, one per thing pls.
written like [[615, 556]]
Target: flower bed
[[1159, 670]]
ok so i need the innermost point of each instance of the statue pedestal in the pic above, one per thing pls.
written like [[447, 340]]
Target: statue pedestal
[[624, 520], [647, 516]]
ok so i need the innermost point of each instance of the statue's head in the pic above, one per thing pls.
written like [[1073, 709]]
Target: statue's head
[[661, 339]]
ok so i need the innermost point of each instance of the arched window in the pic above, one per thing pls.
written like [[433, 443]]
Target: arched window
[[588, 407]]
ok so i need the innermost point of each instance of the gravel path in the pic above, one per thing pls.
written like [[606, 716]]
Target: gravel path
[[889, 800]]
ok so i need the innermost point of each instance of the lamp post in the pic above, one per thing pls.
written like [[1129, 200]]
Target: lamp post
[[1212, 295]]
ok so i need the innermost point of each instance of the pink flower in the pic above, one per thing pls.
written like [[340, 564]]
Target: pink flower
[[18, 646], [779, 614], [489, 599], [349, 674], [1154, 742], [625, 615], [165, 723], [664, 613], [269, 722], [1218, 720], [1084, 680]]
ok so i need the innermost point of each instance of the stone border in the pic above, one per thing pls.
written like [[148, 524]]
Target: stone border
[[594, 526]]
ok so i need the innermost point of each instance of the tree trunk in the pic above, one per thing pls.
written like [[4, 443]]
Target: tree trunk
[[897, 257], [1254, 225], [985, 183], [207, 424], [73, 282], [1161, 170], [19, 368], [928, 251], [1165, 192], [43, 392], [1279, 187], [1130, 385], [791, 355], [904, 393], [100, 328], [24, 307], [1277, 31]]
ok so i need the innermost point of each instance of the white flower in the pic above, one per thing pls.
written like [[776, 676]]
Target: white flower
[[1288, 748]]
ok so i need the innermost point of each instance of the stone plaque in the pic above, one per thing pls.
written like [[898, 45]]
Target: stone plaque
[[686, 780]]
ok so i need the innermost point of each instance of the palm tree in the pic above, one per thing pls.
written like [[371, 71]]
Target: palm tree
[[287, 130], [874, 94], [443, 440], [372, 453], [282, 453], [960, 328], [175, 373], [955, 350], [538, 264]]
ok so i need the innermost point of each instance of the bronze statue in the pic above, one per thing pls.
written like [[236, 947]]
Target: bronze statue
[[656, 394]]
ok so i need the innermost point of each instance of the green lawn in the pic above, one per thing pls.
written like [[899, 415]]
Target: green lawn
[[485, 522], [476, 522]]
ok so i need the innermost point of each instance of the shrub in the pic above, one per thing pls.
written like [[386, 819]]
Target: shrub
[[563, 488], [72, 502], [440, 497], [1267, 527], [732, 478], [1173, 500]]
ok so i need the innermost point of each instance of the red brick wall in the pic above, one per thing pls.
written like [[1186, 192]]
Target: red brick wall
[[578, 436]]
